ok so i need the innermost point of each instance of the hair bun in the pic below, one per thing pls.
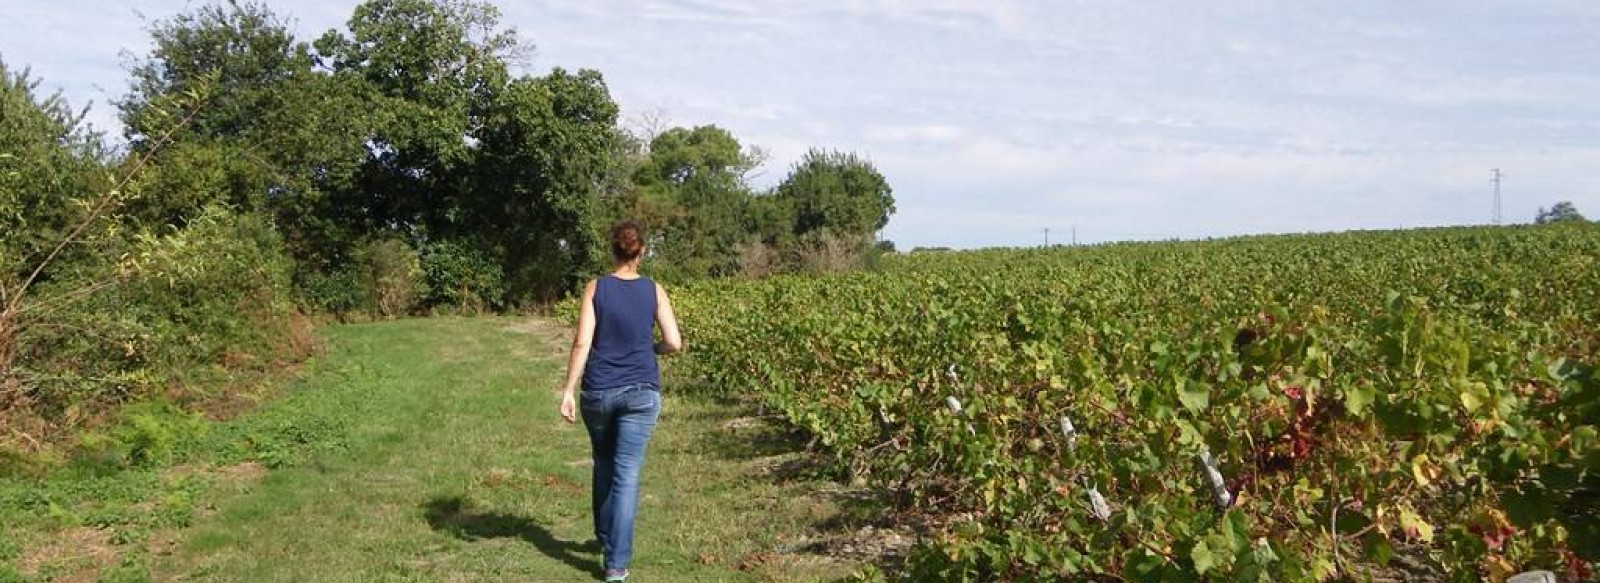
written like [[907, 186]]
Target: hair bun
[[627, 241]]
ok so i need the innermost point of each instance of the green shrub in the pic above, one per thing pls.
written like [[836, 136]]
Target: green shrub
[[219, 285], [338, 292], [154, 433], [394, 276], [148, 434], [171, 318], [382, 278], [462, 277]]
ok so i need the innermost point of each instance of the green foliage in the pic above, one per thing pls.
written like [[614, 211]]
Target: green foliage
[[838, 191], [461, 276], [249, 49], [218, 286], [692, 198], [274, 137], [148, 434], [339, 291], [177, 309], [395, 272], [382, 277], [1431, 393], [428, 70], [49, 165], [544, 154]]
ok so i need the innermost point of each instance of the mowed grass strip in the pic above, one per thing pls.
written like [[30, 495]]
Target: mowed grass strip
[[456, 467]]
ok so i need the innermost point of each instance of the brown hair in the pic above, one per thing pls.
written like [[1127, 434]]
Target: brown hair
[[627, 241]]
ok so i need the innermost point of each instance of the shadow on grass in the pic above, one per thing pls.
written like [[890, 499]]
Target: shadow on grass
[[753, 433], [791, 457], [454, 515]]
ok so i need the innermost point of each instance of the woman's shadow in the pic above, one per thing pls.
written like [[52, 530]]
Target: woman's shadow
[[455, 515]]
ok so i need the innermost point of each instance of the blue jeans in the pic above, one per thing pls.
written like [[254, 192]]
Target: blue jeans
[[619, 421]]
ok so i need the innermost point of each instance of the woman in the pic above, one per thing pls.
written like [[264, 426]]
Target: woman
[[615, 357]]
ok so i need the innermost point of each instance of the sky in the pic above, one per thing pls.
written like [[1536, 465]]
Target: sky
[[995, 120]]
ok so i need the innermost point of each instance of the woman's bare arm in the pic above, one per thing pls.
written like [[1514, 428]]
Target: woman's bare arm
[[581, 341], [671, 340]]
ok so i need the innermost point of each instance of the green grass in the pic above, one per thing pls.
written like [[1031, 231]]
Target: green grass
[[425, 450]]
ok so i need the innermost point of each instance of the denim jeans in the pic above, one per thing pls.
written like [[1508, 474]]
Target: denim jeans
[[619, 421]]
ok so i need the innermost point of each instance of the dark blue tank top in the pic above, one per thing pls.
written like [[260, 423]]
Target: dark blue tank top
[[623, 350]]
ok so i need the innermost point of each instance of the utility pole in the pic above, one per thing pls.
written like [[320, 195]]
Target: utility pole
[[1074, 235], [1496, 175], [1047, 236]]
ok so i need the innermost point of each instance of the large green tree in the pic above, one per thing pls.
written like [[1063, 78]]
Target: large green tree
[[460, 151], [693, 193], [274, 134], [837, 191], [543, 156], [432, 69]]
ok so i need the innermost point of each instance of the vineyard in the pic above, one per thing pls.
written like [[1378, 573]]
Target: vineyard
[[1420, 404]]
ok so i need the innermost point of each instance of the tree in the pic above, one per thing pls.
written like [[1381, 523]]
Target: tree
[[245, 45], [48, 161], [1562, 212], [432, 70], [692, 193], [277, 136], [48, 165], [543, 157], [841, 192]]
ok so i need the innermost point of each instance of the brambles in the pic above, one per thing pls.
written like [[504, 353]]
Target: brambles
[[1358, 396]]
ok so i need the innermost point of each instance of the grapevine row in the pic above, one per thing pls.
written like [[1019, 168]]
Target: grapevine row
[[1274, 408]]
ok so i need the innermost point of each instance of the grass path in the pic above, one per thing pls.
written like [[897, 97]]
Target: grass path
[[454, 466]]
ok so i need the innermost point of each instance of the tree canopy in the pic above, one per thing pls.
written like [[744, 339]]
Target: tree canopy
[[1562, 212], [413, 123]]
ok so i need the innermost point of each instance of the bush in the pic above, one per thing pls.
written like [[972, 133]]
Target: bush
[[382, 278], [179, 310], [148, 434], [757, 259], [338, 292], [461, 276], [824, 251], [217, 290], [394, 276]]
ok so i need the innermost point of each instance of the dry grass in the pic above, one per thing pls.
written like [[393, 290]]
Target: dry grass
[[71, 556]]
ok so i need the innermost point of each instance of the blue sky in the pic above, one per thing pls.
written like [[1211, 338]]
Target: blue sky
[[997, 119]]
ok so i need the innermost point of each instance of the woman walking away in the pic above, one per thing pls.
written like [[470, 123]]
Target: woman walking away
[[613, 354]]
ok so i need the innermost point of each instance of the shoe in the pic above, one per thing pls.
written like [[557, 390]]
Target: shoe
[[616, 575]]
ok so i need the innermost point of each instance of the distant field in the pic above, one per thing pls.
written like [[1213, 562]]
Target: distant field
[[1405, 405]]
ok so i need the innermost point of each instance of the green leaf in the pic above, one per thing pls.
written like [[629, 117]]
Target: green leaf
[[1357, 398], [1195, 396], [1416, 526], [1203, 558], [1474, 396]]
